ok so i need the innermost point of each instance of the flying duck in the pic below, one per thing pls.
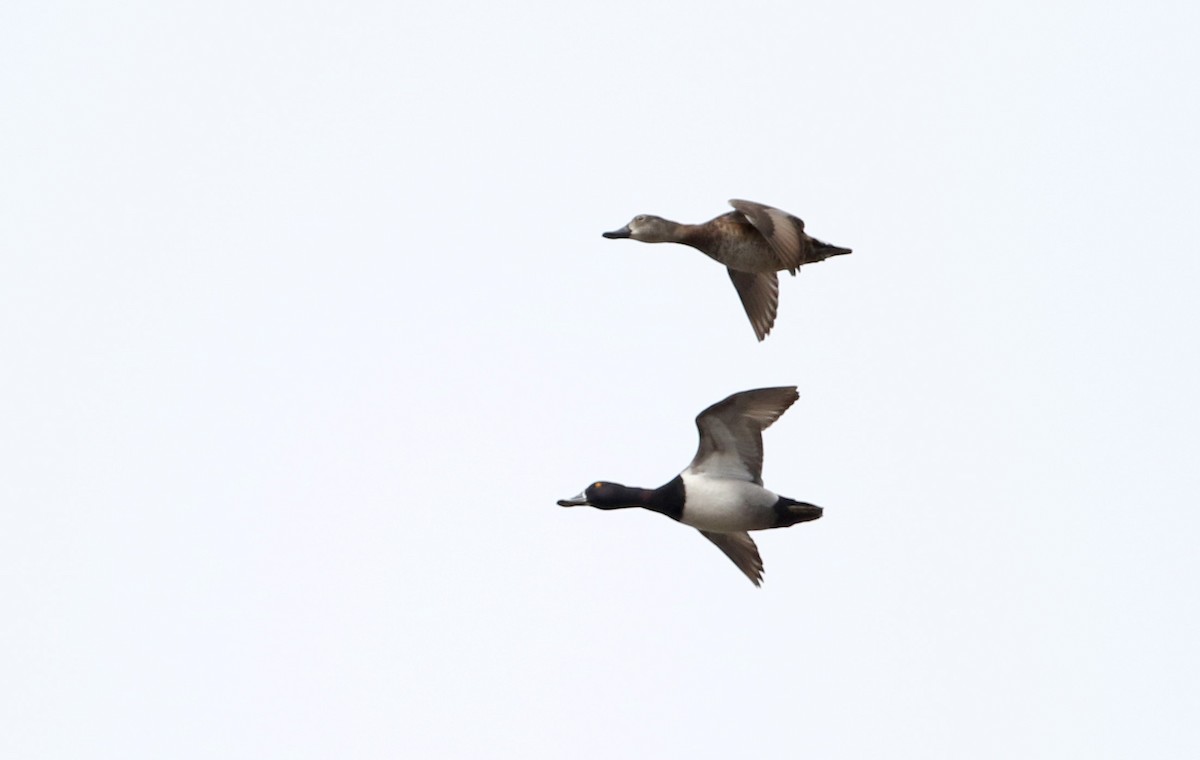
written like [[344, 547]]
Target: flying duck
[[754, 241], [721, 492]]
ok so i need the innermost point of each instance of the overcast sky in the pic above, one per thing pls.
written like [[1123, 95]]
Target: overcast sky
[[306, 322]]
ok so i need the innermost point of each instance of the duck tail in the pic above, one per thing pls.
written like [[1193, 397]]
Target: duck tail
[[789, 512], [824, 250]]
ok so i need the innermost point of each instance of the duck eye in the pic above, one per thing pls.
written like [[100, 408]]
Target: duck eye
[[640, 218], [597, 485]]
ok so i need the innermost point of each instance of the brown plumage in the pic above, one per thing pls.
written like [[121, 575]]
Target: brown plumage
[[754, 242]]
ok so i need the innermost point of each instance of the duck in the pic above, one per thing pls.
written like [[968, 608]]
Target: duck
[[754, 241], [721, 493]]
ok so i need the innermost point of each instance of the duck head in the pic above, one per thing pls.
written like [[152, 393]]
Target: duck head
[[648, 229], [602, 495]]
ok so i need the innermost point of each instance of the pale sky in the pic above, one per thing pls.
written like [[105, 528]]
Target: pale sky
[[307, 322]]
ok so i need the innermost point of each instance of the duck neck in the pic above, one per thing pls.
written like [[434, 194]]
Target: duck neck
[[667, 499], [695, 235]]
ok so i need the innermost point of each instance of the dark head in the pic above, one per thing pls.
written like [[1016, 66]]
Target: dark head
[[602, 495], [648, 229]]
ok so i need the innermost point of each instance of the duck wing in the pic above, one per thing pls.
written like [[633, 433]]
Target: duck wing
[[783, 232], [760, 298], [731, 433], [740, 548]]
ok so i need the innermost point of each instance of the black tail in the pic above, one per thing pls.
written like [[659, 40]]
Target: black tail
[[823, 250], [789, 512]]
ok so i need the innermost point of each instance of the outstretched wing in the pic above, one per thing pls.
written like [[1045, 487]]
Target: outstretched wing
[[784, 232], [740, 548], [760, 298], [731, 433]]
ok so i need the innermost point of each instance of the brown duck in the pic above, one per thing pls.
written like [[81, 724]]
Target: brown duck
[[754, 241]]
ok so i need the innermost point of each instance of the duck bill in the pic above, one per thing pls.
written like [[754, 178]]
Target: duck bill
[[578, 501], [624, 232]]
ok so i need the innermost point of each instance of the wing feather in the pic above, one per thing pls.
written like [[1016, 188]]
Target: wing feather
[[731, 433], [740, 548], [760, 298], [783, 232]]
